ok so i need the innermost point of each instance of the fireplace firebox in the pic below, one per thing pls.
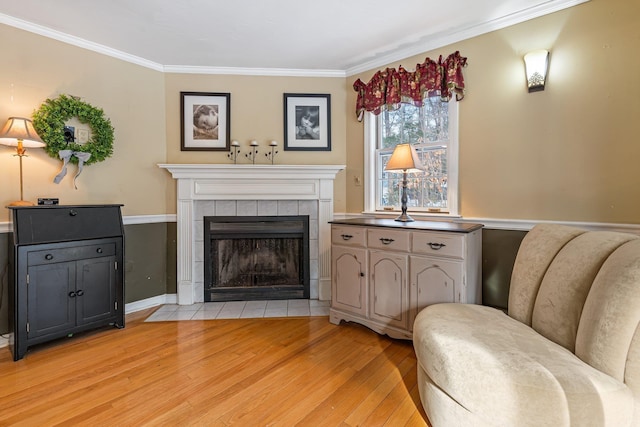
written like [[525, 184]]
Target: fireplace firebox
[[256, 257]]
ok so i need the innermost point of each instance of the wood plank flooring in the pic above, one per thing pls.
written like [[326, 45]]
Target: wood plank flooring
[[241, 372]]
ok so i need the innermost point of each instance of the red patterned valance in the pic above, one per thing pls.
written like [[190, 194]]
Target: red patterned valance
[[388, 88]]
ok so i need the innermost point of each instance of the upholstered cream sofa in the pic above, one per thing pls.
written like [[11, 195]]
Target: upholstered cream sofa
[[566, 354]]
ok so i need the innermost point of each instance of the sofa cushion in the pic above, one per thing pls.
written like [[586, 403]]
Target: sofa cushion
[[537, 250], [566, 284], [507, 374]]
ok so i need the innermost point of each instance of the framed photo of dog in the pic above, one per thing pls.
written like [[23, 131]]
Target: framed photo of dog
[[307, 122], [205, 121]]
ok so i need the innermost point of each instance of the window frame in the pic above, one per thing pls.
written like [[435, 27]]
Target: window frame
[[371, 164]]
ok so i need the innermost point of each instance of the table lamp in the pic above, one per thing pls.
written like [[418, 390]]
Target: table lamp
[[404, 159], [19, 132]]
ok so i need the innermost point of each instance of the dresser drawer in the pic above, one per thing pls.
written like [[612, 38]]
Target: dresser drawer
[[350, 236], [393, 240], [440, 244], [70, 253]]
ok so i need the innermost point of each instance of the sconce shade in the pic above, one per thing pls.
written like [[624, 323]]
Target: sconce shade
[[536, 65], [19, 129], [404, 158]]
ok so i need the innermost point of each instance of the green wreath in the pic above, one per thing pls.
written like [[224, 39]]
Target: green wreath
[[49, 122]]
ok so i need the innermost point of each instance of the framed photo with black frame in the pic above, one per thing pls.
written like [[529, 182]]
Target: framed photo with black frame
[[307, 122], [205, 121]]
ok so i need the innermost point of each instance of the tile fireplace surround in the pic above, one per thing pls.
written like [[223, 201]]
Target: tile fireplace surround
[[212, 189]]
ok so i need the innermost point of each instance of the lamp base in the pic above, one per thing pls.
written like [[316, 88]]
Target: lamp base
[[22, 203], [404, 218]]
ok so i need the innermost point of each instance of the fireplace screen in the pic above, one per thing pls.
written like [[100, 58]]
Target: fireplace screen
[[249, 258]]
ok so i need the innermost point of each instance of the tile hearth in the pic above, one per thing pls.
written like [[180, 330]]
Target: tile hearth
[[240, 310]]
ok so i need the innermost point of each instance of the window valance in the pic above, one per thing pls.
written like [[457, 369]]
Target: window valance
[[388, 88]]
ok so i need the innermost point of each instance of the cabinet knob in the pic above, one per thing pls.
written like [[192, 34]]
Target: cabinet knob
[[346, 236], [48, 257], [72, 294], [361, 274], [386, 241], [73, 212], [79, 292], [436, 246], [99, 250]]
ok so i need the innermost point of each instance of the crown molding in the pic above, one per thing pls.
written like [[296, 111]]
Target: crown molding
[[449, 37], [77, 41], [244, 71]]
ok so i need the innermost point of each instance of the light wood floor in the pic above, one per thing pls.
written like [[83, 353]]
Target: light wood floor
[[242, 372]]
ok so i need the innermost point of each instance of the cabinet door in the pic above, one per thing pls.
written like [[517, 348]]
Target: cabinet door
[[388, 284], [51, 298], [349, 280], [434, 281], [95, 289]]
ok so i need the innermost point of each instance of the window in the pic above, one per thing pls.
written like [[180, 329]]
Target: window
[[432, 129]]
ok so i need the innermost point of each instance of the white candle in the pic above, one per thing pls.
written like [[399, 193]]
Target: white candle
[[254, 143], [273, 143]]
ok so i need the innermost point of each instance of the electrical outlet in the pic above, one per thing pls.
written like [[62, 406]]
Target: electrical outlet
[[83, 136]]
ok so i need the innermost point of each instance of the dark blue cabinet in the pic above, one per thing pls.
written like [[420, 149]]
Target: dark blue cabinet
[[67, 272]]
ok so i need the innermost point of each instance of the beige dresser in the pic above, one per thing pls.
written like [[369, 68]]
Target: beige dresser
[[383, 272]]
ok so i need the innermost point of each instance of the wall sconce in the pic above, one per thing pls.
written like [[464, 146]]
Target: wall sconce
[[536, 65], [404, 159], [19, 132]]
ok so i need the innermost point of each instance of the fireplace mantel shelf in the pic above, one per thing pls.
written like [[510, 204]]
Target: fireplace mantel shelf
[[250, 171], [219, 182]]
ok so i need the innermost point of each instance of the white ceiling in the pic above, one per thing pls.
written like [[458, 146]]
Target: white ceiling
[[312, 36]]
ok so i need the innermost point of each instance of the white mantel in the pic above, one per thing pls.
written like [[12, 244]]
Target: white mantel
[[232, 182]]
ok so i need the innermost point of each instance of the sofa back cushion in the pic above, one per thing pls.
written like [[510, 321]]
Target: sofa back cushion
[[567, 282], [610, 318], [538, 248]]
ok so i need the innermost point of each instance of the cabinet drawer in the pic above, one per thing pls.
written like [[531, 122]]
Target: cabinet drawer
[[392, 240], [72, 253], [351, 236], [440, 244]]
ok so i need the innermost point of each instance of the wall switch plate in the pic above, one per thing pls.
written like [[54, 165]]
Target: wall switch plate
[[83, 136]]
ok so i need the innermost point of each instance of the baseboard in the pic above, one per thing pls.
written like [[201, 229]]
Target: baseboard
[[4, 342], [144, 304]]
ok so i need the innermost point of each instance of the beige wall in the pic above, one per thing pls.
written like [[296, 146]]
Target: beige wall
[[569, 153], [132, 97], [257, 114]]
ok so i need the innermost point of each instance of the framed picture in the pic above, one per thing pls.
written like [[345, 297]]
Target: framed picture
[[205, 121], [307, 122]]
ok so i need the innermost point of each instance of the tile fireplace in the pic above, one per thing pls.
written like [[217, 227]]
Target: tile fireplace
[[205, 190]]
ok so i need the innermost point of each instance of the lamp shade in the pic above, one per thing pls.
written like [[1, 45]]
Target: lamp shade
[[19, 129], [404, 158]]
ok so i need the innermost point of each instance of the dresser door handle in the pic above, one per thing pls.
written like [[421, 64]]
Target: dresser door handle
[[99, 250], [48, 257], [436, 246], [386, 241], [73, 212], [346, 236]]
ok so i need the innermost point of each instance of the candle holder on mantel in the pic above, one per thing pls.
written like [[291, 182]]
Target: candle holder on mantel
[[271, 156], [254, 152], [235, 150]]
